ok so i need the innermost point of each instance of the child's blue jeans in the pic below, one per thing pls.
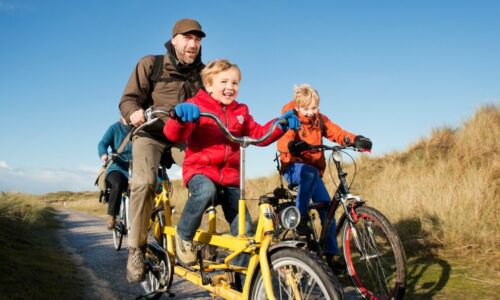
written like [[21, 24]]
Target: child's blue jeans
[[311, 186], [203, 191]]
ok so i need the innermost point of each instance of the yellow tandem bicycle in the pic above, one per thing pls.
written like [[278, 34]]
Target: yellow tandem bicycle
[[275, 270]]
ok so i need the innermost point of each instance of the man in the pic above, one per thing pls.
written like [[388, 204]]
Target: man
[[179, 81]]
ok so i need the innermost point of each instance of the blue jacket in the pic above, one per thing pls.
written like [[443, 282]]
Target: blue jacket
[[113, 139]]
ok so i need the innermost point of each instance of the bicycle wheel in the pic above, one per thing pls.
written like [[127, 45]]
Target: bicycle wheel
[[296, 274], [374, 255], [159, 271], [119, 229], [117, 236]]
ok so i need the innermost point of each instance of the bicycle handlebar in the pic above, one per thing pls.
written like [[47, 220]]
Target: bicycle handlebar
[[337, 147], [116, 155], [244, 140], [150, 118]]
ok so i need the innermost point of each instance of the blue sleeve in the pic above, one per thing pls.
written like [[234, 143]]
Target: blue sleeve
[[106, 141]]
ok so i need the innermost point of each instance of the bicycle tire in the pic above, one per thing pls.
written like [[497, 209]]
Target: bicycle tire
[[120, 225], [374, 255], [117, 237], [159, 271], [310, 271]]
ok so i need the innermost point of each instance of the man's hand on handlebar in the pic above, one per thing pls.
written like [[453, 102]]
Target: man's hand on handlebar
[[137, 117], [289, 120], [187, 112]]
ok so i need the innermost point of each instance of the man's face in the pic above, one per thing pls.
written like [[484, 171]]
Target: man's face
[[308, 111], [224, 86], [187, 47]]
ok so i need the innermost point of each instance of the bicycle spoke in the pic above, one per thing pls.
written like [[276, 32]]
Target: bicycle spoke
[[375, 257], [376, 268]]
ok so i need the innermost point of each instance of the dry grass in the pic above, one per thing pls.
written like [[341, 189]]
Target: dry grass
[[33, 266], [443, 191]]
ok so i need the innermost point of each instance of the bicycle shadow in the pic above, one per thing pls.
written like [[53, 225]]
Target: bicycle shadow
[[427, 274]]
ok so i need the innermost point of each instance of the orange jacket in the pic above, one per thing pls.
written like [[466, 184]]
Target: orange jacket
[[312, 130]]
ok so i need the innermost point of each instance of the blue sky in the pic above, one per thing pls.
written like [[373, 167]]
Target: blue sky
[[390, 70]]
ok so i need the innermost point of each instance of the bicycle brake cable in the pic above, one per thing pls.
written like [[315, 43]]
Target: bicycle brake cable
[[355, 168]]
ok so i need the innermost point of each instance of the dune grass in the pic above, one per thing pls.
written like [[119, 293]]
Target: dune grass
[[32, 265]]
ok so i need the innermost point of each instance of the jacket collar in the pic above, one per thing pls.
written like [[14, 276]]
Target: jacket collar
[[208, 99]]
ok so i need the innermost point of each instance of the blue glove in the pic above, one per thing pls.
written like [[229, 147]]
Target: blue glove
[[187, 112], [292, 122]]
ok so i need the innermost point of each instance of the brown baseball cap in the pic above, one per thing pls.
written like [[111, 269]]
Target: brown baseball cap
[[187, 25]]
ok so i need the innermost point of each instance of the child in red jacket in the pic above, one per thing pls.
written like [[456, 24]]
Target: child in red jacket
[[211, 166], [305, 168]]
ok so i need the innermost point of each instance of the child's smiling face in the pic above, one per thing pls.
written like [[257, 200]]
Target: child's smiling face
[[224, 86], [308, 111]]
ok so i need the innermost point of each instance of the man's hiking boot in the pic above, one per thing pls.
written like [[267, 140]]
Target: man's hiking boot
[[110, 222], [186, 252], [336, 264], [135, 265]]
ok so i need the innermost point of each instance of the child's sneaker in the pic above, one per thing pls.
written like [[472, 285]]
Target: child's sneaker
[[185, 251], [336, 264], [303, 228]]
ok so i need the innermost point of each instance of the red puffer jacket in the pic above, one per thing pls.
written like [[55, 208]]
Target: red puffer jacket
[[208, 152]]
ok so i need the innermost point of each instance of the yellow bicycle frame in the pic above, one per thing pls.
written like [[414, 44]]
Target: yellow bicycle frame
[[257, 246]]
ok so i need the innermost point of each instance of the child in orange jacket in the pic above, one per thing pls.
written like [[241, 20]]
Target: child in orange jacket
[[305, 168]]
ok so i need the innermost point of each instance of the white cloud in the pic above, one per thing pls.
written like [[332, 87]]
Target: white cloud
[[4, 165], [45, 180], [40, 181]]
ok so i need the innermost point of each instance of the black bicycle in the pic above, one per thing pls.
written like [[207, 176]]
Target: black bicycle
[[371, 247], [122, 222]]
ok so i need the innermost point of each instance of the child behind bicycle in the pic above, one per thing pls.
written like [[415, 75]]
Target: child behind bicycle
[[305, 168], [211, 168]]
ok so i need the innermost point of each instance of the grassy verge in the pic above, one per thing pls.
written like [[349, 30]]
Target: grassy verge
[[452, 277], [33, 266]]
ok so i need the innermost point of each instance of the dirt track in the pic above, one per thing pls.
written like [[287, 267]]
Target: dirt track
[[91, 247]]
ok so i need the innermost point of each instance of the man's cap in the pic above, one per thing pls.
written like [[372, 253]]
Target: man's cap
[[187, 25]]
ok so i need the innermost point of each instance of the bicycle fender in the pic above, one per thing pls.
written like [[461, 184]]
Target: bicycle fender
[[287, 244]]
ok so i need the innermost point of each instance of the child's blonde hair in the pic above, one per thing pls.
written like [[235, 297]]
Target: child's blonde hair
[[215, 67], [304, 95]]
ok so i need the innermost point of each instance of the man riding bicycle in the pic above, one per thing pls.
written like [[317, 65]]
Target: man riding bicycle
[[179, 80]]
